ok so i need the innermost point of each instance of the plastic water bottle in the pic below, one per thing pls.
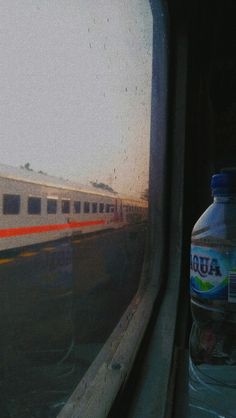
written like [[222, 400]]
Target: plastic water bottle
[[212, 373]]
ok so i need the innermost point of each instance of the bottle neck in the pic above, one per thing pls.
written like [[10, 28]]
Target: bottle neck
[[230, 198]]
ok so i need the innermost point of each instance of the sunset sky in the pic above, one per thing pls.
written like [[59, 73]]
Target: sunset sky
[[75, 81]]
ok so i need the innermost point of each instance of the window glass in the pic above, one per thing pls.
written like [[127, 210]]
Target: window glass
[[94, 207], [86, 207], [11, 204], [34, 205], [76, 80], [65, 206], [77, 206], [51, 206]]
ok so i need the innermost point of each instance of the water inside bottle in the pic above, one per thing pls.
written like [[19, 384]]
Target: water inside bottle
[[212, 350]]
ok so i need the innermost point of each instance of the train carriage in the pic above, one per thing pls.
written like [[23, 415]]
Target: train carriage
[[36, 208]]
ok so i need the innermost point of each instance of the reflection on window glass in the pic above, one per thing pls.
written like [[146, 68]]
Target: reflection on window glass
[[76, 99]]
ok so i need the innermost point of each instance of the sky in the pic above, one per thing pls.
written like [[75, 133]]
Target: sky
[[75, 82]]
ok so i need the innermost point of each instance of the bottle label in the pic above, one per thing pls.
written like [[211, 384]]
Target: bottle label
[[213, 273]]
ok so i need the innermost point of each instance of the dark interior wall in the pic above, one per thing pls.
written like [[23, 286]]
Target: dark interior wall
[[211, 103], [222, 85]]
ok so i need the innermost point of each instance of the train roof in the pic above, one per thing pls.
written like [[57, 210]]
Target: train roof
[[30, 176]]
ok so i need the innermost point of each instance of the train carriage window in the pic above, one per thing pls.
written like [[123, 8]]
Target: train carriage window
[[86, 207], [101, 207], [51, 206], [77, 206], [77, 81], [94, 207], [65, 206], [11, 204], [34, 205]]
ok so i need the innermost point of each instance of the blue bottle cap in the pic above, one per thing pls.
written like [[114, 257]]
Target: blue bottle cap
[[225, 182]]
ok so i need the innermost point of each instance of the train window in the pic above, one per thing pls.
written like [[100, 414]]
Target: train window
[[51, 206], [94, 207], [65, 206], [34, 205], [101, 207], [77, 80], [11, 204], [86, 207], [77, 206]]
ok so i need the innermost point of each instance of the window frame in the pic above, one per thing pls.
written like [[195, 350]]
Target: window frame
[[107, 375], [103, 383]]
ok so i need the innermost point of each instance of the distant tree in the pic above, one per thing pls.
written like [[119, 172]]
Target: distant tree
[[145, 194], [26, 166], [103, 186]]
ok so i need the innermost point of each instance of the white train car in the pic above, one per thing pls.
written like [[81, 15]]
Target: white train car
[[36, 208], [134, 210]]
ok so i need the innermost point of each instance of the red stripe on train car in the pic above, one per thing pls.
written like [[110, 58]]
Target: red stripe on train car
[[12, 232]]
